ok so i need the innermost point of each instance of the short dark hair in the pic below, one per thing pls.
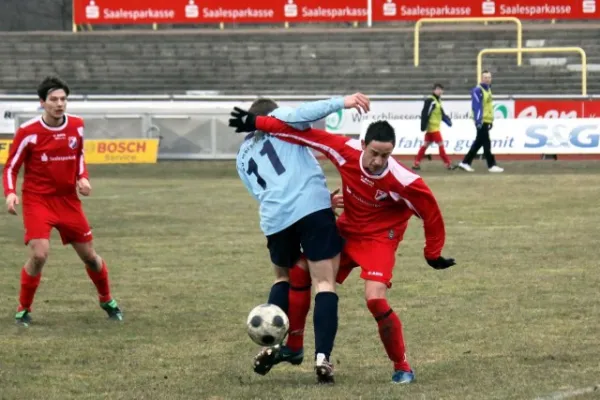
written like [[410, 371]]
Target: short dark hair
[[50, 84], [263, 107], [437, 85], [485, 71], [380, 131]]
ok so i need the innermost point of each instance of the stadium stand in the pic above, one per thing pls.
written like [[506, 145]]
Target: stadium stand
[[317, 59], [302, 61]]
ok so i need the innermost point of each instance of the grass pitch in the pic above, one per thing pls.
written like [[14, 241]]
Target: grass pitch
[[518, 317]]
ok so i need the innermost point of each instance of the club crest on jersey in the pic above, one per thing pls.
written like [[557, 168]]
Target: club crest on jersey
[[380, 195], [73, 142]]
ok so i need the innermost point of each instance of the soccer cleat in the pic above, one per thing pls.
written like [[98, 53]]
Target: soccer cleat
[[496, 169], [112, 309], [402, 377], [465, 167], [271, 356], [324, 369], [450, 167], [416, 167], [23, 318]]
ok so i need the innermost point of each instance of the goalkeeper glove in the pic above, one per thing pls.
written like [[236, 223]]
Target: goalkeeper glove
[[441, 263], [242, 120]]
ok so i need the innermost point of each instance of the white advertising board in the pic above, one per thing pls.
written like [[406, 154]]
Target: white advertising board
[[349, 121], [509, 136], [342, 122]]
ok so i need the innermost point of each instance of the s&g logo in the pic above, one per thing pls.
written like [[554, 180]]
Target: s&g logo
[[560, 135]]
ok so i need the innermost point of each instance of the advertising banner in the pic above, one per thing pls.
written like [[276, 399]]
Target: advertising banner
[[4, 148], [280, 11], [114, 151], [121, 151], [216, 11], [349, 121], [509, 136], [413, 10], [557, 108]]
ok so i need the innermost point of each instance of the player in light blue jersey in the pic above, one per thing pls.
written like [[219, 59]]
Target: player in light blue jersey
[[297, 218]]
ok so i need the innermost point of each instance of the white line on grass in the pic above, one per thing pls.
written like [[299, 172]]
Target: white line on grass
[[570, 393]]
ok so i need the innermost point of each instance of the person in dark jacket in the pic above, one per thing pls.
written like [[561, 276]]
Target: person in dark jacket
[[432, 117], [483, 114]]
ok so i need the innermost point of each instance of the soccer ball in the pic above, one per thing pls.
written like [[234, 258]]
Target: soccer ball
[[267, 325]]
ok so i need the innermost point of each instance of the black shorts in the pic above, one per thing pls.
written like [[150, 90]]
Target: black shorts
[[315, 235]]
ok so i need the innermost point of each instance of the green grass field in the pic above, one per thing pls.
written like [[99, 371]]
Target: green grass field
[[517, 318]]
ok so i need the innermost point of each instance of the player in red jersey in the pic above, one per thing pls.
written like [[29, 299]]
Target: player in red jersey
[[380, 196], [51, 148]]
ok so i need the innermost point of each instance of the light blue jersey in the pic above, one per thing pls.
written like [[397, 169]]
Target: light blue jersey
[[286, 179]]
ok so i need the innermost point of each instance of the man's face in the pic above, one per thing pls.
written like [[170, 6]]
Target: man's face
[[376, 155], [486, 78], [55, 104], [438, 92]]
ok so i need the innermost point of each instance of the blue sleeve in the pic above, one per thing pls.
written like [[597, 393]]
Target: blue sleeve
[[245, 180], [477, 104], [301, 117]]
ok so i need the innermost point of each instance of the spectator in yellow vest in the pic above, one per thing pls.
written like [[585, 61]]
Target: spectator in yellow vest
[[483, 114], [432, 117]]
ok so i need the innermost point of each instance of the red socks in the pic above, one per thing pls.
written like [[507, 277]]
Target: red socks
[[299, 305], [101, 282], [29, 285], [444, 156], [420, 155], [390, 332]]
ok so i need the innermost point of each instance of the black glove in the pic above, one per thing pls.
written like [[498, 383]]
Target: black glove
[[242, 120], [441, 263]]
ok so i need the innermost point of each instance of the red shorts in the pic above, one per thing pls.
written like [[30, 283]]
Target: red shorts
[[376, 256], [41, 213], [433, 137]]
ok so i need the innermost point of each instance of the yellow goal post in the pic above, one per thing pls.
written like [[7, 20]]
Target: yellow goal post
[[578, 50], [467, 20]]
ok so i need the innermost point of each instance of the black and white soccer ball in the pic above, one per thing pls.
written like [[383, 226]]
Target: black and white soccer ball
[[267, 325]]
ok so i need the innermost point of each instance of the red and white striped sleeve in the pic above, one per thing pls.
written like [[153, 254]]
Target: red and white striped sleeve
[[410, 188], [82, 171], [17, 155], [330, 145]]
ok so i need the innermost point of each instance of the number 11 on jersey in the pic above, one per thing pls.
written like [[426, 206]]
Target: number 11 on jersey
[[269, 151]]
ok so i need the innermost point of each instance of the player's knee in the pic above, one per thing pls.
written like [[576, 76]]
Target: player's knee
[[375, 290], [281, 274], [39, 255]]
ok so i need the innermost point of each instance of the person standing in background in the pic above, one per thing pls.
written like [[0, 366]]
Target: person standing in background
[[432, 116], [482, 105]]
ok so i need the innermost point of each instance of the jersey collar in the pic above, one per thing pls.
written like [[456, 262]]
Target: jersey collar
[[55, 128], [369, 175]]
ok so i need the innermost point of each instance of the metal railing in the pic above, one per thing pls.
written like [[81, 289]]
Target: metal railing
[[578, 50], [466, 20]]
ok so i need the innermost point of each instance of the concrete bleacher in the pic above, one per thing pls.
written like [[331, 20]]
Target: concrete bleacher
[[299, 61]]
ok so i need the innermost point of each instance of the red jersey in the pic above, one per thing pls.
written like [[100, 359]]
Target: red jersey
[[53, 157], [373, 204]]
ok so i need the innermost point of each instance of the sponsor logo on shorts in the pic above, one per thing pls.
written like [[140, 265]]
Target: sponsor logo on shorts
[[391, 234], [375, 273]]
